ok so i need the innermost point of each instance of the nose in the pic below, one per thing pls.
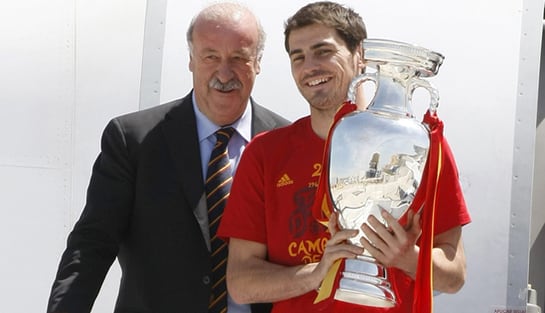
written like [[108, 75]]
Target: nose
[[225, 72], [309, 65]]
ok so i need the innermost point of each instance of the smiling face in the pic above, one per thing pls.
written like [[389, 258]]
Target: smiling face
[[322, 66], [224, 63]]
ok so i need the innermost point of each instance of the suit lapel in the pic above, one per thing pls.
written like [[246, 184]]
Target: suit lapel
[[180, 130]]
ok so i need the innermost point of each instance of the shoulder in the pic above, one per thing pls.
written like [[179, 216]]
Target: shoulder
[[263, 111], [283, 135], [141, 122], [152, 116], [265, 119]]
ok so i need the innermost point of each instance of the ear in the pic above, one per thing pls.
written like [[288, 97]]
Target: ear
[[258, 66], [191, 65], [360, 59]]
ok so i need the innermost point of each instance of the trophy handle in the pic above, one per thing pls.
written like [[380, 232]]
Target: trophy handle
[[434, 94], [357, 81]]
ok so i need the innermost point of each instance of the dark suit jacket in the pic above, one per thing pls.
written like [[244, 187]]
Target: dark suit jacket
[[141, 207]]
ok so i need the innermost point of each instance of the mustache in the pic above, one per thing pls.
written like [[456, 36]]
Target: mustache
[[228, 86]]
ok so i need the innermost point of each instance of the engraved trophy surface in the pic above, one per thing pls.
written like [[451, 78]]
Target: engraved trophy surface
[[377, 157]]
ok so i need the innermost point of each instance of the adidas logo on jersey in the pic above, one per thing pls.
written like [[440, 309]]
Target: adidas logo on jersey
[[284, 181]]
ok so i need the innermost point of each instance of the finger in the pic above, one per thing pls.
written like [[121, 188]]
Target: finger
[[338, 246], [373, 239], [342, 236], [384, 233], [343, 250], [392, 239], [417, 220], [416, 226], [393, 223], [369, 244], [332, 224], [335, 252], [410, 220]]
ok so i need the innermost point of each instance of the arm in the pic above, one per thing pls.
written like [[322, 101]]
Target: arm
[[251, 278], [93, 244], [396, 246], [449, 261]]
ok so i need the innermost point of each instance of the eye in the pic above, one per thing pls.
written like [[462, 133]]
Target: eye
[[324, 52], [241, 59], [210, 58], [297, 58]]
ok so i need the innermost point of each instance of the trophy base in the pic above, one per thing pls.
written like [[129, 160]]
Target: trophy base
[[365, 282], [359, 298]]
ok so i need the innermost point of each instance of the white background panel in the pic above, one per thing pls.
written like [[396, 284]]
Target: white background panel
[[67, 67]]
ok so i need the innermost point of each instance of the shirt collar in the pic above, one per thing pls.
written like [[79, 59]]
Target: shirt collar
[[206, 128]]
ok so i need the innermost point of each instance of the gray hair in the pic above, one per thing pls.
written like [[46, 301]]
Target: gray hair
[[221, 10]]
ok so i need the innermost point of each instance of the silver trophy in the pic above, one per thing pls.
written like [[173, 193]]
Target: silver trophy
[[377, 157]]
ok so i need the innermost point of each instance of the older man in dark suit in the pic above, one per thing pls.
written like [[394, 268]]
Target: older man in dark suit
[[146, 201]]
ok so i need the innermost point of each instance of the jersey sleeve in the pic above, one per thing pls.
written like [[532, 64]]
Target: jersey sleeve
[[452, 209]]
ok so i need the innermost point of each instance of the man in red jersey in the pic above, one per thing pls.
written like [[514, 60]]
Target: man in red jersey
[[278, 252]]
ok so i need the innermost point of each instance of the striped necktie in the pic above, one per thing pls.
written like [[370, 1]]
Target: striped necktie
[[217, 186]]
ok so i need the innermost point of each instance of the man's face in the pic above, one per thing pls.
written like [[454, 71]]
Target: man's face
[[322, 66], [224, 64]]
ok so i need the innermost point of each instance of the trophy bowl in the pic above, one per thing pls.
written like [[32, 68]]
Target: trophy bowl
[[377, 157]]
